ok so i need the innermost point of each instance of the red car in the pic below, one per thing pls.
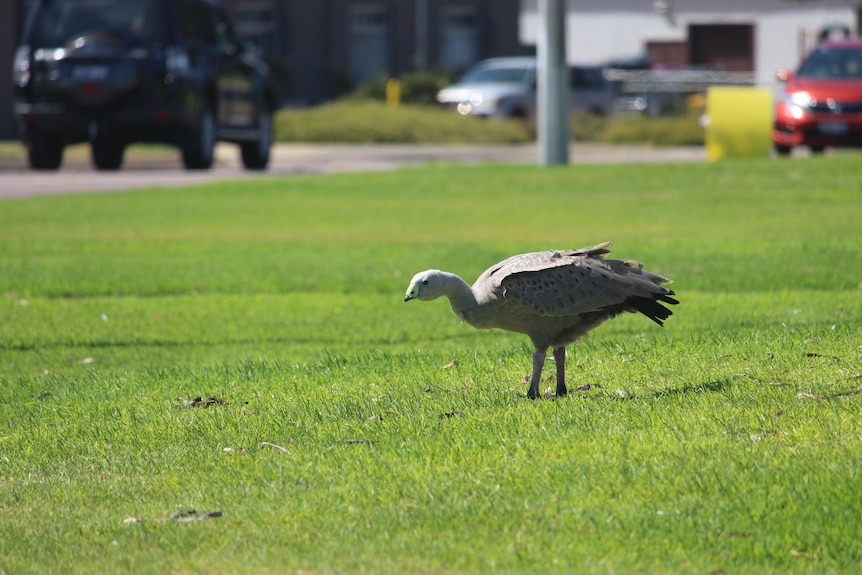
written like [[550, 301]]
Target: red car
[[822, 102]]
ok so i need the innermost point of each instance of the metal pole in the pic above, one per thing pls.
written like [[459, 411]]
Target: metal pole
[[553, 84]]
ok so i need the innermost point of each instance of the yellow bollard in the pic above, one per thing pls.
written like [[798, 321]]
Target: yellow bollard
[[739, 122], [393, 92]]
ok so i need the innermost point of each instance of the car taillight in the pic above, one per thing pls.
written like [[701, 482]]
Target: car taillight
[[21, 66], [177, 61]]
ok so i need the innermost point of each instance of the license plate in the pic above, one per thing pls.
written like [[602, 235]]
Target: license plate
[[90, 73], [833, 128]]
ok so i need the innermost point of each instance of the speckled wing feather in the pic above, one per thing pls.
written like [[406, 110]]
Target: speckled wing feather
[[537, 261], [569, 282]]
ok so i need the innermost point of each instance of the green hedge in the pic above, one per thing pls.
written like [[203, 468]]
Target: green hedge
[[363, 117], [369, 121], [415, 87], [662, 131]]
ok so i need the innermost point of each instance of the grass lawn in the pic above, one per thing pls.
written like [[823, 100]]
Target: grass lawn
[[342, 430]]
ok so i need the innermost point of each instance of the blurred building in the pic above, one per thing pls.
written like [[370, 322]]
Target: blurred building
[[325, 48], [322, 49], [755, 36]]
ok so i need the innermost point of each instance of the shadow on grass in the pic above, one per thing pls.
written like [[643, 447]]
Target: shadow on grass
[[687, 389]]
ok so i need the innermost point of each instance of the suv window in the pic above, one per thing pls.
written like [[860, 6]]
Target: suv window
[[134, 22], [195, 23], [224, 33], [205, 25]]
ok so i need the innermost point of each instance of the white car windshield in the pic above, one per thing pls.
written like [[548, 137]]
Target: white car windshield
[[495, 74]]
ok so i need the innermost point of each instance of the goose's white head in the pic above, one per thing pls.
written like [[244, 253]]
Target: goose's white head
[[425, 285]]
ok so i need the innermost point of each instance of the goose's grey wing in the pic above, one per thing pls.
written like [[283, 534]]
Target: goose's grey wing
[[572, 282], [491, 279]]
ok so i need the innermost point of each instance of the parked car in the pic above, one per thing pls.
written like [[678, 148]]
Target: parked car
[[115, 72], [821, 104], [506, 87]]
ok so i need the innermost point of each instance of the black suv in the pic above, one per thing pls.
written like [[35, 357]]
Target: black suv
[[115, 72]]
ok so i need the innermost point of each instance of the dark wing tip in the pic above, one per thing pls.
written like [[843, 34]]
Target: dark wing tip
[[667, 299], [652, 308]]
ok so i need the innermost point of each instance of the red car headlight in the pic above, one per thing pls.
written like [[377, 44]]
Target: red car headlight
[[796, 104]]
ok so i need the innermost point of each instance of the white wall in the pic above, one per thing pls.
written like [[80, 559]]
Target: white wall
[[601, 30]]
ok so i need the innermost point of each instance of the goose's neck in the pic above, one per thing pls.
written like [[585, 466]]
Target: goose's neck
[[461, 297]]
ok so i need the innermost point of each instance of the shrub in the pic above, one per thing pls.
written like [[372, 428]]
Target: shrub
[[419, 87], [369, 120], [586, 127], [661, 131], [373, 122]]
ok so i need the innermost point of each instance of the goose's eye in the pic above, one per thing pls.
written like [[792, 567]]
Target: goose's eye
[[425, 282]]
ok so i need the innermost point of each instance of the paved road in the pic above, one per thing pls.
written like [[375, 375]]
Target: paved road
[[148, 169]]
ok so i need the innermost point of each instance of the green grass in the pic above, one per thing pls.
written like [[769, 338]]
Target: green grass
[[727, 442]]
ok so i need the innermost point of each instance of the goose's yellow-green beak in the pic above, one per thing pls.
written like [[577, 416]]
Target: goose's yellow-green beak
[[412, 292]]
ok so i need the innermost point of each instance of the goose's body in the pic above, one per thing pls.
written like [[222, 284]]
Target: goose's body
[[554, 297]]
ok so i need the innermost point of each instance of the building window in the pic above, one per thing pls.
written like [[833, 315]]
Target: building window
[[459, 38], [368, 44]]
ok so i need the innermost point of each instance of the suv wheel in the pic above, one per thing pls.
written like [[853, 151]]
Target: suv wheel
[[782, 150], [107, 155], [45, 154], [255, 154], [199, 150]]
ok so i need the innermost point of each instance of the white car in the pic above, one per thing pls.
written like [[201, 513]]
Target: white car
[[506, 87]]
